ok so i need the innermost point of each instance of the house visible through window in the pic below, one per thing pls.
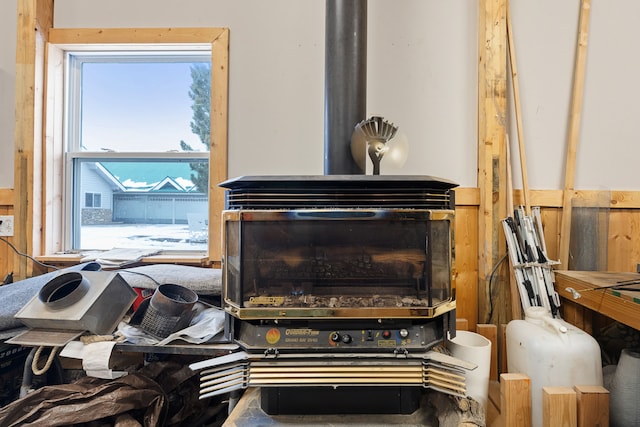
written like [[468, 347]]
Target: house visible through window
[[137, 148]]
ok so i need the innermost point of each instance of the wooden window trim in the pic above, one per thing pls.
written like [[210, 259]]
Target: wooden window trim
[[60, 40]]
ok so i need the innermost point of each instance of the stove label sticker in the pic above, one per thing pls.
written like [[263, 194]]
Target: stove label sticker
[[387, 343], [272, 336], [302, 332], [301, 335]]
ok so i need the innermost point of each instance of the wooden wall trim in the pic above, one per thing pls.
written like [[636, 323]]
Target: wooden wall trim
[[219, 136], [133, 35], [470, 196], [6, 197], [467, 196], [619, 199]]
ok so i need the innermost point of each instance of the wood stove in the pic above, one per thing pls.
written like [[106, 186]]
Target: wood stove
[[338, 281]]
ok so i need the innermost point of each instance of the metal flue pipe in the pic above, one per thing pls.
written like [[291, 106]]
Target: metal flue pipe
[[345, 82]]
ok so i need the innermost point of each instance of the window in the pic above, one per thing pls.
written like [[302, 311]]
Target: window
[[92, 200], [141, 142], [137, 129]]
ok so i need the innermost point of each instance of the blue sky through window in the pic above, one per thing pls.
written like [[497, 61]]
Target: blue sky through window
[[137, 106]]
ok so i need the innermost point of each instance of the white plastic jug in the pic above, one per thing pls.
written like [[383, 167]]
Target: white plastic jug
[[551, 352]]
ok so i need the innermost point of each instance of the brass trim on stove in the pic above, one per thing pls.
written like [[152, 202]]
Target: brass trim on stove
[[339, 313]]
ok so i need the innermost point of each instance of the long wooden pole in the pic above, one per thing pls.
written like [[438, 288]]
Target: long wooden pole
[[574, 130], [514, 293], [516, 101]]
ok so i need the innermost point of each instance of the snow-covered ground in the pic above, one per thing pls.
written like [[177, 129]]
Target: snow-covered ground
[[170, 237]]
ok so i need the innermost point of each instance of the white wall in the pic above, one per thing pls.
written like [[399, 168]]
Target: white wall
[[8, 28], [546, 36], [422, 75]]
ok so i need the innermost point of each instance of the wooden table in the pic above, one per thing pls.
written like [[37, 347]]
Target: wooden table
[[623, 306]]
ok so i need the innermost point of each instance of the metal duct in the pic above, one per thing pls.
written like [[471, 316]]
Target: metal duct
[[94, 301], [345, 82]]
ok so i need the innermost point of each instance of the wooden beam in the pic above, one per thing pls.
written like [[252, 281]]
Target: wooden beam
[[492, 83], [574, 130], [124, 36], [467, 196], [554, 198], [35, 17], [219, 135]]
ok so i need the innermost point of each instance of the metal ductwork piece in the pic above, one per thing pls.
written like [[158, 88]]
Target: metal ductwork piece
[[93, 301], [345, 83]]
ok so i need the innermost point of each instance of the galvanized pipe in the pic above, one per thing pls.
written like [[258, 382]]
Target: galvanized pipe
[[345, 82]]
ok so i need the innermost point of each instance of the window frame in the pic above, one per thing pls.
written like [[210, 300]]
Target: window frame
[[61, 41]]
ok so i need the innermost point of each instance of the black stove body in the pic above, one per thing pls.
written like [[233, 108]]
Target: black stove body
[[338, 281]]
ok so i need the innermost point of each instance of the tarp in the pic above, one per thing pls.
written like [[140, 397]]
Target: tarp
[[159, 394]]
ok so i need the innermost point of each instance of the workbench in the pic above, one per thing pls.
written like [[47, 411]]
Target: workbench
[[620, 305]]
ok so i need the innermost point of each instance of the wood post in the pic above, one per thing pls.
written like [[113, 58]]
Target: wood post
[[515, 400], [490, 332], [593, 406], [559, 407], [502, 359], [35, 17], [492, 111]]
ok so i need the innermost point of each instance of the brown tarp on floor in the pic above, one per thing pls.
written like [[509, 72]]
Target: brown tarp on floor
[[137, 399]]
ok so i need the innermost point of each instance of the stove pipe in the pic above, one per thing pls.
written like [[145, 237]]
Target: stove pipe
[[345, 82]]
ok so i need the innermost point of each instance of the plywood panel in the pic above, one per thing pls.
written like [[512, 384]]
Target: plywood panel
[[624, 240]]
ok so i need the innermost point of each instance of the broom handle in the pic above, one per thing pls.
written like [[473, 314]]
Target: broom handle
[[516, 101]]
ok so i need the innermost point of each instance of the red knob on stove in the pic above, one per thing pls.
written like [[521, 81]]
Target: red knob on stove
[[386, 334]]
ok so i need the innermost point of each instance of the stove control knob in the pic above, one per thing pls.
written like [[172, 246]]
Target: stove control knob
[[346, 338], [335, 337], [386, 334], [403, 333]]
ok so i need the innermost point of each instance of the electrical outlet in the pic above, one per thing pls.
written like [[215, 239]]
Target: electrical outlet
[[6, 225]]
